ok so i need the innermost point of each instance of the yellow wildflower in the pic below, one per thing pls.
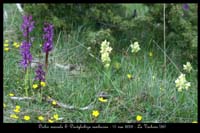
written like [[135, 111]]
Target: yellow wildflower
[[54, 102], [5, 44], [95, 113], [16, 110], [16, 45], [6, 49], [14, 116], [135, 47], [43, 84], [138, 117], [101, 99], [50, 121], [129, 76], [41, 118], [35, 86], [17, 107], [187, 67], [4, 105], [11, 94], [6, 41], [55, 116], [150, 54], [26, 117]]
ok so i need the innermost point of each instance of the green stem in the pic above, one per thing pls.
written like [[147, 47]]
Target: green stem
[[26, 82]]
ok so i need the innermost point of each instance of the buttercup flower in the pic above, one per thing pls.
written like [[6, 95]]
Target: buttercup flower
[[4, 105], [11, 94], [138, 117], [17, 107], [55, 116], [35, 86], [187, 67], [6, 41], [5, 44], [14, 116], [105, 51], [95, 113], [16, 45], [135, 47], [182, 83], [50, 121], [101, 99], [27, 118], [54, 102], [41, 118], [129, 76], [16, 110], [43, 84], [6, 49]]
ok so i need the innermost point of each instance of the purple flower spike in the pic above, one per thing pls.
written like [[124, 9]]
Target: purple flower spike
[[27, 25], [185, 7], [48, 37], [40, 74], [26, 54]]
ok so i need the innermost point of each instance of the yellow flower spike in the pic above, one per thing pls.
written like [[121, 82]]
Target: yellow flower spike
[[138, 117], [43, 84], [27, 118], [194, 122], [11, 94], [54, 103], [150, 54], [5, 44], [14, 116], [40, 118], [4, 105], [35, 86], [55, 116], [101, 99], [129, 76], [95, 113], [6, 49], [50, 121], [16, 110]]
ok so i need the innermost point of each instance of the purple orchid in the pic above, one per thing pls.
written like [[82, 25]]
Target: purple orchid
[[185, 7], [27, 25], [48, 37], [40, 74], [26, 54]]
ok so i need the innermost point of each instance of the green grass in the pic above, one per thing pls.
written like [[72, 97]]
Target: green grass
[[146, 94]]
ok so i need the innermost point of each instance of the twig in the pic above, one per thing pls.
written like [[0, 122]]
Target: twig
[[58, 104], [21, 98]]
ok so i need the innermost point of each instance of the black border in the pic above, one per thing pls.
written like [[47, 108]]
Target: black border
[[137, 126]]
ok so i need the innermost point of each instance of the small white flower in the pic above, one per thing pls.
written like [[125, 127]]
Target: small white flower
[[135, 47], [182, 83], [187, 67]]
